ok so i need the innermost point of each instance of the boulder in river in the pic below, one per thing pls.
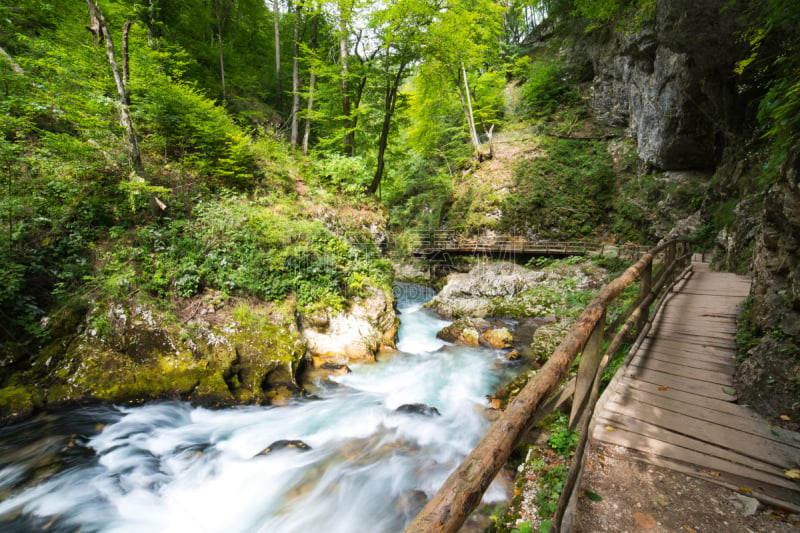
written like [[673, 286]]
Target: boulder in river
[[284, 444], [353, 335], [418, 409]]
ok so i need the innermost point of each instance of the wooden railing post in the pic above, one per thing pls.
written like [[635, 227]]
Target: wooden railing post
[[645, 286], [587, 369]]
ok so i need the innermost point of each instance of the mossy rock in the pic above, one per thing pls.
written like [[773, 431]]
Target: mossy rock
[[16, 402], [133, 352]]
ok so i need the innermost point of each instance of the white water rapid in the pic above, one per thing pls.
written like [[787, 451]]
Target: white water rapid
[[171, 467]]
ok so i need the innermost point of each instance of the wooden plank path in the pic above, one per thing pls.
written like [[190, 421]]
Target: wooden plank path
[[674, 405]]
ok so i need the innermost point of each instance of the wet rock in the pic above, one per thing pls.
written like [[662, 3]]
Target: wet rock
[[283, 445], [473, 294], [418, 409], [354, 335], [513, 355], [411, 503], [499, 338]]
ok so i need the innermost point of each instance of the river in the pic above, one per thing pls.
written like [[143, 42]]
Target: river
[[361, 465]]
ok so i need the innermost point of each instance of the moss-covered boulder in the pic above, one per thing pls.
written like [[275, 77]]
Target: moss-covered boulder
[[245, 352]]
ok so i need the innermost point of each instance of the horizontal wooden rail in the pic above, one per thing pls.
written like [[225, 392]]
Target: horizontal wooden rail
[[463, 490], [448, 242]]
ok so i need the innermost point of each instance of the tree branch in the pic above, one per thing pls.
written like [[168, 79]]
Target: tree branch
[[11, 63]]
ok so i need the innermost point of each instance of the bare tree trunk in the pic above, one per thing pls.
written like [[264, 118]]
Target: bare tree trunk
[[295, 76], [100, 30], [383, 142], [276, 7], [221, 58], [473, 132], [11, 63], [347, 124], [126, 71], [311, 83]]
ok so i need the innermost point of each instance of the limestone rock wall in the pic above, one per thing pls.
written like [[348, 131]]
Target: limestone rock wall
[[671, 83], [770, 376]]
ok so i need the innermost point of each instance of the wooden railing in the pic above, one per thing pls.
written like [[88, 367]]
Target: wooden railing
[[448, 241], [657, 271]]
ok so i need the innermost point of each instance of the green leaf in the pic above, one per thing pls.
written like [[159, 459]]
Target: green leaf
[[593, 496]]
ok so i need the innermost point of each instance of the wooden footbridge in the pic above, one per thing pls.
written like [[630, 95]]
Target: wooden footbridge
[[672, 401], [441, 244]]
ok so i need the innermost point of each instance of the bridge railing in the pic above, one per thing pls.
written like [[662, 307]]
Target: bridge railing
[[657, 271], [448, 241]]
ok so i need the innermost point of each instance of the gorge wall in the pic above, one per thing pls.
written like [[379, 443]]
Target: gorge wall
[[672, 84]]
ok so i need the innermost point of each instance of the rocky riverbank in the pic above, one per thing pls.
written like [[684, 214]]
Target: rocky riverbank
[[209, 350]]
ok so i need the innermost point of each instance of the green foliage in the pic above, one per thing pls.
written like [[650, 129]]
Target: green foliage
[[562, 195], [628, 16], [348, 175], [237, 246], [562, 439], [774, 66], [546, 87], [181, 124]]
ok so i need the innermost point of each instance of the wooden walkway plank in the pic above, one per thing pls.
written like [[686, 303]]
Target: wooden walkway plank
[[675, 406], [630, 432], [723, 437], [751, 426], [709, 376], [772, 488], [661, 379], [733, 413], [682, 358]]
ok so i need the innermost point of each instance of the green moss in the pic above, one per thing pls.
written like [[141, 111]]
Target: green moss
[[16, 401]]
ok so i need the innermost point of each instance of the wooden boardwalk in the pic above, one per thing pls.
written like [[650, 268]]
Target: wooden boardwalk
[[674, 405]]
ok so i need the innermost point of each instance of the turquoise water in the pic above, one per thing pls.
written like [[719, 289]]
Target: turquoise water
[[172, 467]]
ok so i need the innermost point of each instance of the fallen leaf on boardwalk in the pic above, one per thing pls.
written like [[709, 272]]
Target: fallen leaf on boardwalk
[[690, 529], [745, 489], [774, 432], [644, 521], [609, 428], [793, 473], [661, 502], [786, 418], [601, 457], [593, 496], [710, 348], [663, 388], [713, 474], [729, 391]]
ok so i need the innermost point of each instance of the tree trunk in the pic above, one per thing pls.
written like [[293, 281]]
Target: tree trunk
[[101, 32], [11, 63], [347, 124], [311, 83], [295, 76], [126, 72], [221, 58], [383, 142], [276, 8], [473, 132]]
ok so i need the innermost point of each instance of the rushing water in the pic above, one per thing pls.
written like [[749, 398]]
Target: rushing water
[[168, 466]]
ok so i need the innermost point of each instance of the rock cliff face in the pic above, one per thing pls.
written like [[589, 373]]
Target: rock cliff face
[[770, 376], [670, 83]]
